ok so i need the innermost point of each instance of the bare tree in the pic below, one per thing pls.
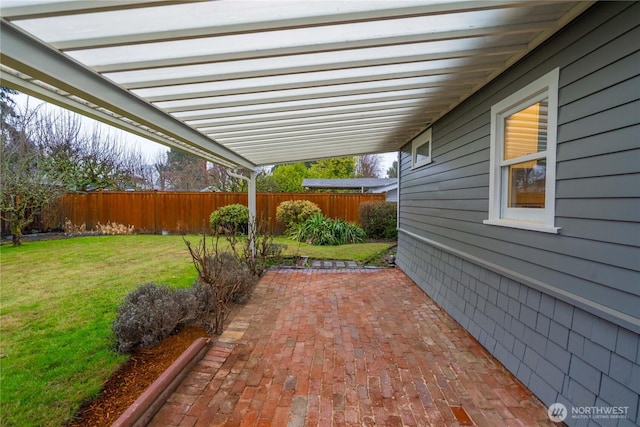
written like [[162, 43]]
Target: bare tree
[[184, 172], [265, 181], [221, 180], [85, 161], [28, 183], [162, 171], [44, 153], [144, 172], [368, 166]]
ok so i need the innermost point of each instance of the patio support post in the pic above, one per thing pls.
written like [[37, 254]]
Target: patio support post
[[252, 211], [251, 196]]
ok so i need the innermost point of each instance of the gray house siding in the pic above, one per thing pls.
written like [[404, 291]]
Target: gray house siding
[[557, 310]]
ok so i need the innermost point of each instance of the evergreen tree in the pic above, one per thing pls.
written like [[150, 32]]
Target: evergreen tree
[[338, 167], [288, 178], [392, 172], [184, 171]]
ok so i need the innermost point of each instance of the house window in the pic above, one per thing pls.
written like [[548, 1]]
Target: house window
[[523, 157], [421, 149]]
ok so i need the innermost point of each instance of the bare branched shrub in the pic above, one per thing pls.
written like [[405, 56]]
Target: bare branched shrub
[[151, 313], [226, 277], [222, 279], [264, 252]]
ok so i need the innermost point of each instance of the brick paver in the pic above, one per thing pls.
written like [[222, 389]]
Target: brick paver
[[347, 348]]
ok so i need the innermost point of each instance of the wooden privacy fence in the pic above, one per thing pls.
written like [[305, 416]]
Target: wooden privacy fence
[[157, 212]]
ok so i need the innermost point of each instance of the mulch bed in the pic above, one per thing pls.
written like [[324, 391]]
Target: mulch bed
[[133, 377]]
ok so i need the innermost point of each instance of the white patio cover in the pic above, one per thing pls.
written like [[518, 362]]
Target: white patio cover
[[247, 83]]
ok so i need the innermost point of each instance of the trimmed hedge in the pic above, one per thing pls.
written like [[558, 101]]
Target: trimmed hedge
[[379, 219], [232, 218], [292, 213]]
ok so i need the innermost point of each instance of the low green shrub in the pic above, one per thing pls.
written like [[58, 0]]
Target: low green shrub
[[230, 218], [151, 313], [319, 230], [292, 213], [379, 219]]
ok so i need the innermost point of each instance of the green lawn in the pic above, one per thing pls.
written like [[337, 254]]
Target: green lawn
[[58, 299], [353, 252]]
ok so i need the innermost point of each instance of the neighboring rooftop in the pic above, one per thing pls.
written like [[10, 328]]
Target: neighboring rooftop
[[363, 184]]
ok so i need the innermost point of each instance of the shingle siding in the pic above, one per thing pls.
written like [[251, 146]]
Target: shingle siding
[[560, 352], [559, 311], [596, 254]]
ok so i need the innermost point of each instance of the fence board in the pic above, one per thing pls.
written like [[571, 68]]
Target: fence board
[[155, 212]]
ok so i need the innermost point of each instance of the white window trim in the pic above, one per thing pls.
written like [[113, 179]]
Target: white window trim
[[544, 87], [419, 141]]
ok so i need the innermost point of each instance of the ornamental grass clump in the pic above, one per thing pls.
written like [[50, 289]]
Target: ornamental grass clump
[[110, 228], [319, 230], [114, 228]]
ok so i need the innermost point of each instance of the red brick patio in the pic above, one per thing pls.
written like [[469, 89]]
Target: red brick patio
[[347, 348]]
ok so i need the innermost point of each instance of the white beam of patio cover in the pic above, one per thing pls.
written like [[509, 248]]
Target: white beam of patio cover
[[251, 83]]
